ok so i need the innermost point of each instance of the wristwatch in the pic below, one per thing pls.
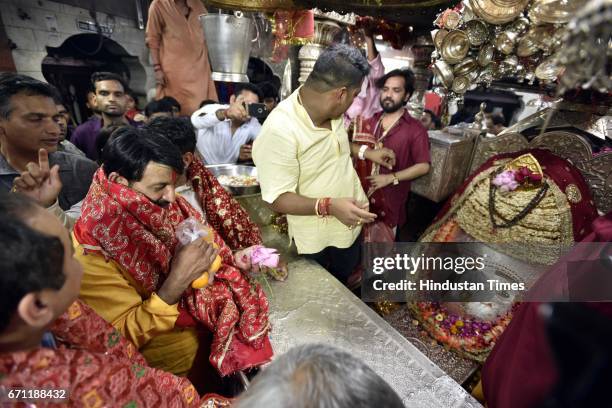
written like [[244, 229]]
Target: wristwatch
[[395, 179]]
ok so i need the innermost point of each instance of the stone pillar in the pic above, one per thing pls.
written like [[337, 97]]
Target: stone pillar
[[422, 74], [327, 25]]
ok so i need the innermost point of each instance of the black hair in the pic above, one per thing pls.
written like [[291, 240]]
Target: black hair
[[131, 92], [269, 91], [59, 100], [163, 105], [153, 107], [106, 76], [102, 138], [12, 84], [246, 86], [169, 101], [130, 150], [30, 261], [338, 66], [498, 119], [179, 131], [407, 74], [207, 102], [434, 118]]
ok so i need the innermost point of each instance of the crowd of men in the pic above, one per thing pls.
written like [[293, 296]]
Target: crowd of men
[[93, 266]]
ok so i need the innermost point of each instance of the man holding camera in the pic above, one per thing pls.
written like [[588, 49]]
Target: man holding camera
[[226, 133]]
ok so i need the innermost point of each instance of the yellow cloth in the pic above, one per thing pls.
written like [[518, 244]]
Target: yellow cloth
[[293, 155], [148, 323]]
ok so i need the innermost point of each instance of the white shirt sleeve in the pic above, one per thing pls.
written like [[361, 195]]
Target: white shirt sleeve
[[206, 117], [254, 129], [67, 218]]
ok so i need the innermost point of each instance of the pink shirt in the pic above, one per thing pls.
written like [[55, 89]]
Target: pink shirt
[[367, 103]]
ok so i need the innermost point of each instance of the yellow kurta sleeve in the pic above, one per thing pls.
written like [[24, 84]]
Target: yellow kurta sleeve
[[105, 288], [275, 155]]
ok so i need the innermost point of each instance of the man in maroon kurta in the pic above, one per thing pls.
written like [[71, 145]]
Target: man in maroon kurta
[[395, 129]]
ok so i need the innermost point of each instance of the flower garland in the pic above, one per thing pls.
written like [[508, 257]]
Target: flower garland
[[461, 333]]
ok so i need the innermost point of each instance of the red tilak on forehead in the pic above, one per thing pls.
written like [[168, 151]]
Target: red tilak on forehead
[[174, 177]]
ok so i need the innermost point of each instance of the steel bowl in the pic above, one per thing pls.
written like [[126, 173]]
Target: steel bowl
[[461, 84], [444, 72], [439, 37], [477, 32], [465, 67], [455, 47], [498, 11], [554, 11], [486, 54], [526, 47], [236, 170], [506, 41], [548, 70], [452, 19]]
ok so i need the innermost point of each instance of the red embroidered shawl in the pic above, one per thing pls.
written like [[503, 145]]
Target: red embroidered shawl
[[97, 367], [127, 227], [223, 212]]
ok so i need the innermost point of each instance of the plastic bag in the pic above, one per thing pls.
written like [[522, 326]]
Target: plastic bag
[[191, 230]]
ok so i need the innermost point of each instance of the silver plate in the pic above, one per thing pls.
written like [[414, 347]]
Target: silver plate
[[236, 170]]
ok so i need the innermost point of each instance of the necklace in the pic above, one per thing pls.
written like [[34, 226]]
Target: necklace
[[522, 214], [384, 131]]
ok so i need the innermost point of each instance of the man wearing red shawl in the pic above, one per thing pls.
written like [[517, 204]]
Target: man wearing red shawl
[[49, 342], [127, 242], [203, 191]]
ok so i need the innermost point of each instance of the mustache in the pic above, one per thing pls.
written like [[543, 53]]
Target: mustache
[[162, 203]]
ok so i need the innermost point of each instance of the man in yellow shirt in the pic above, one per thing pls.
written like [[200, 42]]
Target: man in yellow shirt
[[303, 159]]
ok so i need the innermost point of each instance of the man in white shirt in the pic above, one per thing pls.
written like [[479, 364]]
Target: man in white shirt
[[226, 133]]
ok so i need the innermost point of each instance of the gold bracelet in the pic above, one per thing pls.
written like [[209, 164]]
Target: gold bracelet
[[317, 207]]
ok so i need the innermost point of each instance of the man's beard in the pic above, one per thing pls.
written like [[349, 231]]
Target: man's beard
[[394, 107]]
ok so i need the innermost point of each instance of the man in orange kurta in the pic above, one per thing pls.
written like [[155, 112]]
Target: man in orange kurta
[[180, 56]]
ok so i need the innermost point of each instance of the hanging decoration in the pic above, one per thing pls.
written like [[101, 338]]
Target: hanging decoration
[[481, 41], [291, 27], [398, 35]]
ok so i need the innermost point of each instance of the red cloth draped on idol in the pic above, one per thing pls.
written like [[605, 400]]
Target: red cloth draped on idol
[[523, 206]]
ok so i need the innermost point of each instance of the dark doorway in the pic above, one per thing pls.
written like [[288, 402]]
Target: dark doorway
[[70, 66], [258, 72]]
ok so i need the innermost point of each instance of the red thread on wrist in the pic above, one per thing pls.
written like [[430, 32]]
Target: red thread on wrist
[[324, 207]]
